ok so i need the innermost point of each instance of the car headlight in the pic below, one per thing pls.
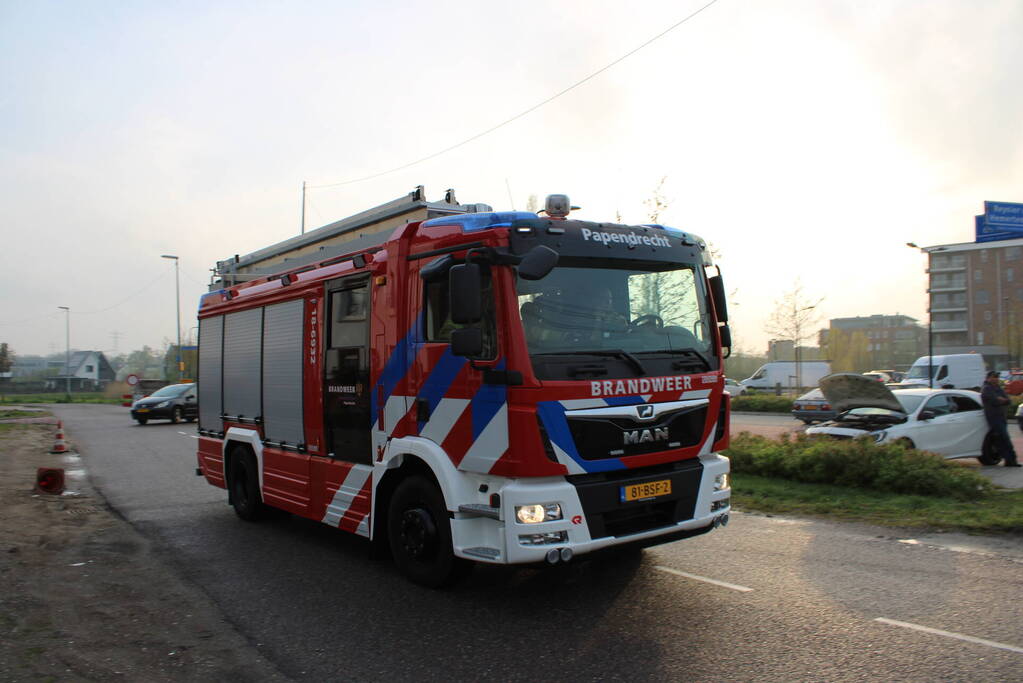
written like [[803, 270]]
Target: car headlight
[[721, 482], [538, 512], [162, 404], [879, 436]]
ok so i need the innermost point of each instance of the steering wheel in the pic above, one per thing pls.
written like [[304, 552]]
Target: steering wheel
[[649, 319]]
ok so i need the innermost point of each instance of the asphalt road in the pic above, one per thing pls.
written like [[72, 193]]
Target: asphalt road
[[766, 599]]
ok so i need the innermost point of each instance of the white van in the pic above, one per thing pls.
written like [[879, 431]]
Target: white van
[[956, 371], [783, 372]]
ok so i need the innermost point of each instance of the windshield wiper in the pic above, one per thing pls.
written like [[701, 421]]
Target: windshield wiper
[[692, 353], [634, 362]]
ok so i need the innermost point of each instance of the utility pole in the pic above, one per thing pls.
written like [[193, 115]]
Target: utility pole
[[177, 298], [303, 207], [67, 351]]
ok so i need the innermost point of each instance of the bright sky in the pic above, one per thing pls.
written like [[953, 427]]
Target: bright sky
[[805, 139]]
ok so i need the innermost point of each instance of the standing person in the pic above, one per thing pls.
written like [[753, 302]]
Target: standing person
[[995, 400]]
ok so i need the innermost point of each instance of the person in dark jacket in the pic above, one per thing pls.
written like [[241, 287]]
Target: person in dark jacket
[[995, 400]]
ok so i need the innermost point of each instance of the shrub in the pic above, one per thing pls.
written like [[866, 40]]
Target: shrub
[[858, 463], [762, 403]]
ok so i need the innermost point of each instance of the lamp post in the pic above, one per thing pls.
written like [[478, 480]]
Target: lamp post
[[177, 317], [930, 322], [67, 351]]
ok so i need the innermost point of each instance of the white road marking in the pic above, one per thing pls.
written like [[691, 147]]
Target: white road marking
[[950, 634], [734, 587], [187, 434]]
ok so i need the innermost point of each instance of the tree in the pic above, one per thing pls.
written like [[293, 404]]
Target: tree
[[794, 317], [6, 358]]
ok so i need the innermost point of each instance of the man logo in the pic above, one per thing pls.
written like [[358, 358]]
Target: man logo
[[645, 411], [639, 436]]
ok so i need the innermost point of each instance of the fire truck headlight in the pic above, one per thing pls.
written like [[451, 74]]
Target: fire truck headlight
[[534, 514], [721, 482]]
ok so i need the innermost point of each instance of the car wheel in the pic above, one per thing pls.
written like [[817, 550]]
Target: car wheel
[[419, 533], [906, 443], [245, 498], [988, 452], [142, 420], [175, 415], [806, 422]]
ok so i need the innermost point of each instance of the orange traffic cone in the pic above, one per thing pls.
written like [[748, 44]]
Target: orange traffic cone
[[50, 480], [59, 445]]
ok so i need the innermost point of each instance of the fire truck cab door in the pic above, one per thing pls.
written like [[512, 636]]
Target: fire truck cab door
[[346, 400]]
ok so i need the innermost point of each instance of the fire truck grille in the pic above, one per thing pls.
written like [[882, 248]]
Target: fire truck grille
[[602, 438], [608, 515]]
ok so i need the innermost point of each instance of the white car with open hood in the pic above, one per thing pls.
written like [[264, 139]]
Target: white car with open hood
[[949, 422]]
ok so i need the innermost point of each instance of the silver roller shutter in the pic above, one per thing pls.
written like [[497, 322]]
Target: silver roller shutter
[[242, 351], [211, 338], [282, 373]]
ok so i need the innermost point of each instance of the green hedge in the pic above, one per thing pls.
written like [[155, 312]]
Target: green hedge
[[859, 463], [762, 403]]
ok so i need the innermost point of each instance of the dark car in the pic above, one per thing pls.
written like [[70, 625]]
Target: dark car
[[812, 407], [175, 402]]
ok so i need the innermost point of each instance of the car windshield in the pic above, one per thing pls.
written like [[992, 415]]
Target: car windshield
[[172, 391], [621, 321], [918, 372]]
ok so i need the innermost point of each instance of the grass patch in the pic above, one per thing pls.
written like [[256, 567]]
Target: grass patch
[[857, 463], [9, 399], [11, 426], [762, 403], [9, 414], [1000, 512]]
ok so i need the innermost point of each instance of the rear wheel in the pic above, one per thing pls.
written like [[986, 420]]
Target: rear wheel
[[988, 452], [419, 533], [245, 498]]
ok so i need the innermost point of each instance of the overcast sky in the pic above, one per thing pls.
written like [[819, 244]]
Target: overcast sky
[[805, 139]]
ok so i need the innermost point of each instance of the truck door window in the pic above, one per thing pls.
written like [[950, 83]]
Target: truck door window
[[438, 325]]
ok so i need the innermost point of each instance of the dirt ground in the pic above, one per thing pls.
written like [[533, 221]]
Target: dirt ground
[[84, 597]]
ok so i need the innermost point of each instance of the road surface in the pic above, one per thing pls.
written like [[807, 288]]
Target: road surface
[[765, 599]]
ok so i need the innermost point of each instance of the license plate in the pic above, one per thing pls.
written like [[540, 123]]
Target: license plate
[[648, 489], [142, 410], [809, 407]]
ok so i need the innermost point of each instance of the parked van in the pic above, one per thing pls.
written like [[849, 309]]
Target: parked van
[[956, 371], [783, 372]]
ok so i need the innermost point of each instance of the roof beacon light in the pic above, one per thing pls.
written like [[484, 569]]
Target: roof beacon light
[[558, 205]]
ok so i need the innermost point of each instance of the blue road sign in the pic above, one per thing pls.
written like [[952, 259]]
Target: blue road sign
[[1003, 215]]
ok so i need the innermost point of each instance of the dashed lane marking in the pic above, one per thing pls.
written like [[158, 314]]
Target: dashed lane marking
[[723, 584], [950, 634], [187, 434]]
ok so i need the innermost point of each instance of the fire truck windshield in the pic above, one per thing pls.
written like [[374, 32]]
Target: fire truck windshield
[[584, 322]]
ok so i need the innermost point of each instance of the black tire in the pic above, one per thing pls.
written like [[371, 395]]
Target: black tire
[[244, 483], [419, 533], [807, 422], [190, 418], [142, 420], [175, 415], [988, 453], [908, 443]]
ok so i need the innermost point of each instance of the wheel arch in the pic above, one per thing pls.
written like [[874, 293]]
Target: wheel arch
[[238, 443]]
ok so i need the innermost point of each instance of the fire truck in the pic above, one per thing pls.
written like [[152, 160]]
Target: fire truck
[[476, 387]]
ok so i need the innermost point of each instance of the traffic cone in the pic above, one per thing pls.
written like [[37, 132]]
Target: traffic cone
[[50, 480], [59, 445]]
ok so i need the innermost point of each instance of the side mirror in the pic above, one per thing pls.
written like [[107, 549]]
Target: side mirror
[[537, 263], [726, 339], [464, 284], [717, 292], [189, 398], [467, 341], [436, 270], [927, 415]]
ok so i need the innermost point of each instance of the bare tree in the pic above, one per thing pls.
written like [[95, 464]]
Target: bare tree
[[794, 317]]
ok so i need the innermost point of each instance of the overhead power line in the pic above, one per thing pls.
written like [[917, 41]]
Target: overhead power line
[[518, 116]]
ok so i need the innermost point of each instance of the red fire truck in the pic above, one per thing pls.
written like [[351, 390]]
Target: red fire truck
[[495, 387]]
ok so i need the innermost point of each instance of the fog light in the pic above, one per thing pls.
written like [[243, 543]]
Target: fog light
[[536, 513], [544, 539], [721, 482]]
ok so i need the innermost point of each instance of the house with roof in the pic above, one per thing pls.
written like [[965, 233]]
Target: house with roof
[[87, 370]]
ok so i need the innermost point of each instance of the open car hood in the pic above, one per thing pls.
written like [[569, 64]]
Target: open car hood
[[846, 390]]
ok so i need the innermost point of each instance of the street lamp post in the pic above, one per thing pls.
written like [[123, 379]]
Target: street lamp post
[[930, 323], [177, 317], [67, 351]]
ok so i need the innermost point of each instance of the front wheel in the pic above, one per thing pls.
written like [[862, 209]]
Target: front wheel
[[419, 533], [988, 453], [142, 420], [175, 415]]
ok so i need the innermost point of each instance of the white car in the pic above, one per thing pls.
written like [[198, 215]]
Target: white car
[[733, 387], [949, 422]]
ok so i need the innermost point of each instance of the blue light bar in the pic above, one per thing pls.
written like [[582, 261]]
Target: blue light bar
[[474, 222], [674, 231]]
